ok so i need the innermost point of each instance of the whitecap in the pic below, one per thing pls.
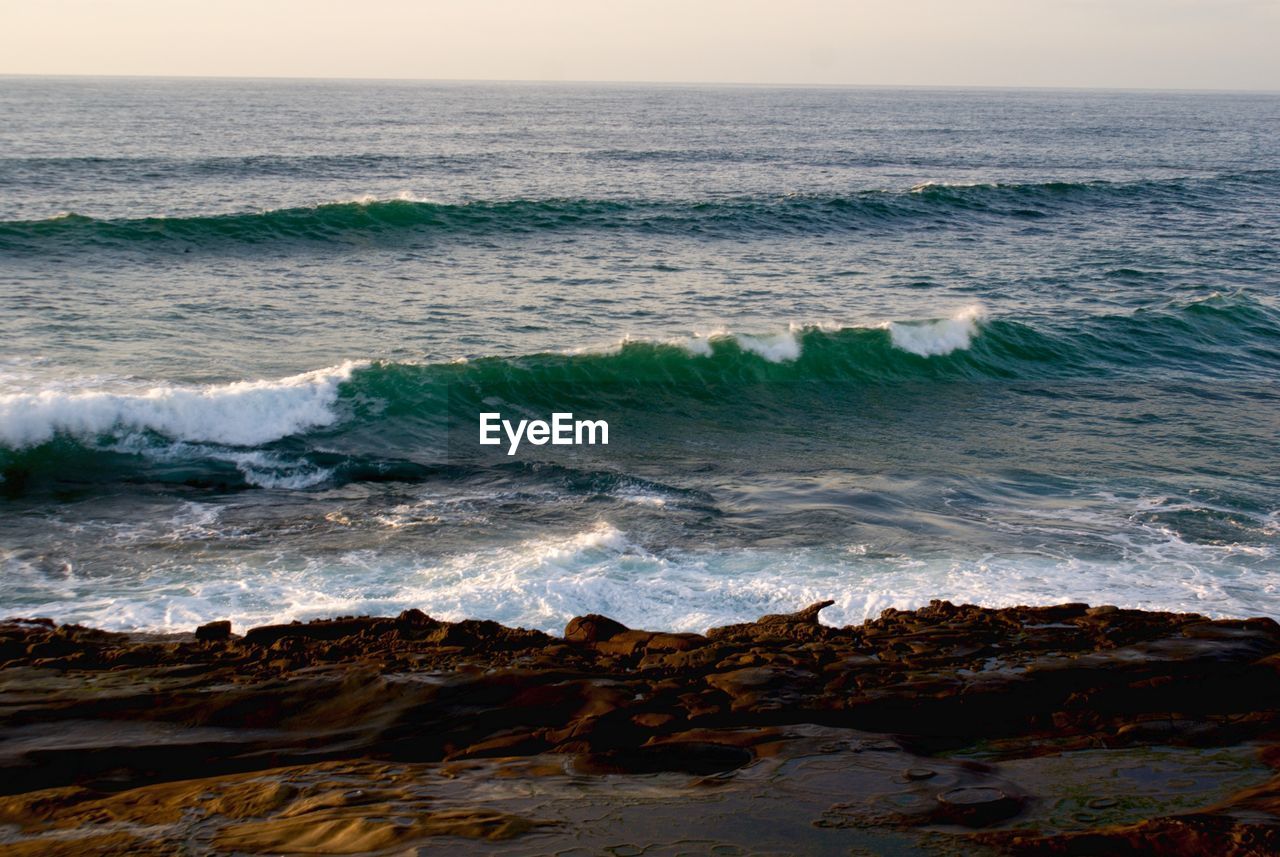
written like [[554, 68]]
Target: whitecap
[[936, 338], [776, 348], [242, 413]]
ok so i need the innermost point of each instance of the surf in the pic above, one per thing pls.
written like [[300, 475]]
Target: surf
[[374, 419]]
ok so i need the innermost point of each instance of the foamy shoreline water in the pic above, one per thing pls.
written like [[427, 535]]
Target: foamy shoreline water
[[542, 583]]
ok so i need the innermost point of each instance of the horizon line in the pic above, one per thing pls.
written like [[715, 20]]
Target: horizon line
[[671, 83]]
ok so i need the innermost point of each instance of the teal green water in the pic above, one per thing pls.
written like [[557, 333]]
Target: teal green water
[[405, 220]]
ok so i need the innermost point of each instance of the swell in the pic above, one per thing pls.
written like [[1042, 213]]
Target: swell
[[370, 421], [930, 205], [115, 169]]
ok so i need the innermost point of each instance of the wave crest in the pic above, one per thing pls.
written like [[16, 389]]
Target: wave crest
[[933, 339], [390, 420], [243, 413]]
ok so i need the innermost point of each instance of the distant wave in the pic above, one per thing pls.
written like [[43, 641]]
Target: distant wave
[[120, 169], [369, 419], [369, 219]]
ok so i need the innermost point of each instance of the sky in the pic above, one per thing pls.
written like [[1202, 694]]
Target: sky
[[1164, 44]]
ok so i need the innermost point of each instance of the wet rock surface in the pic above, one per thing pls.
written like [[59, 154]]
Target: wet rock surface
[[949, 729]]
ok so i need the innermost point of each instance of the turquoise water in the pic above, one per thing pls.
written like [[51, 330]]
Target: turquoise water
[[879, 346]]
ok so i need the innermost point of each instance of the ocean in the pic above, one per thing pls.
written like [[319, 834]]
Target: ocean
[[880, 346]]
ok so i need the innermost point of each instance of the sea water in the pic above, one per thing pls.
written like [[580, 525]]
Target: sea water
[[874, 345]]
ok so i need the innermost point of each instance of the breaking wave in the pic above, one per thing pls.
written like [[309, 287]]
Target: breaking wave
[[371, 419]]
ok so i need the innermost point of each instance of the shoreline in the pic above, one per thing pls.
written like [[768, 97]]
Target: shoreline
[[955, 727], [316, 627]]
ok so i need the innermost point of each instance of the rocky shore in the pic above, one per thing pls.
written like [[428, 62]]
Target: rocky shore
[[945, 730]]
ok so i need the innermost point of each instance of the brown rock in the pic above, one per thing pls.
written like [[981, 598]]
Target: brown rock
[[625, 643], [592, 628], [214, 631], [977, 806], [802, 624], [115, 719], [320, 629], [660, 643]]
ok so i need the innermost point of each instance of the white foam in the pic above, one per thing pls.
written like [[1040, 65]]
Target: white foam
[[924, 338], [271, 471], [935, 338], [921, 187], [189, 522], [776, 348], [542, 582], [401, 196], [1123, 526], [263, 469], [641, 497], [244, 413], [697, 346]]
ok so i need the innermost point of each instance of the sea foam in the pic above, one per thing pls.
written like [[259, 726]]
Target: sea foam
[[936, 338], [925, 339], [777, 348], [542, 582], [243, 413]]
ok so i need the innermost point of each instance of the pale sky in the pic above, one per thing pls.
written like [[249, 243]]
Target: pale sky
[[1178, 44]]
